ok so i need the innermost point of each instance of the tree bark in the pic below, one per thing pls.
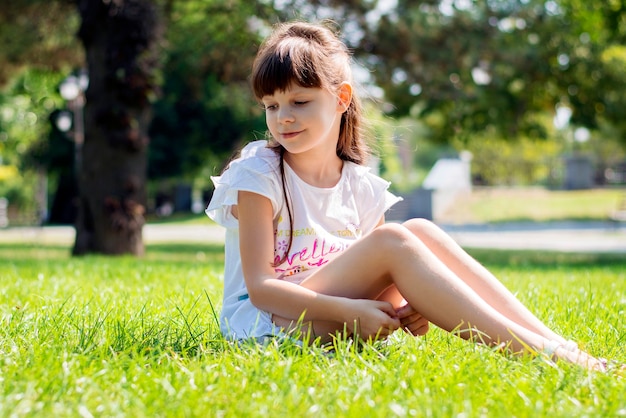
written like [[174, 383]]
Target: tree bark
[[120, 39]]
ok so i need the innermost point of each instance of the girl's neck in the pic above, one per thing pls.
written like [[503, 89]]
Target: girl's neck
[[318, 172]]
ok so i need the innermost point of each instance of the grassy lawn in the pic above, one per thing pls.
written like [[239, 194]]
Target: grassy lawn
[[485, 205], [99, 336]]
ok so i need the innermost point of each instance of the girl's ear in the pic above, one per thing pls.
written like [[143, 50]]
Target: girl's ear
[[345, 96]]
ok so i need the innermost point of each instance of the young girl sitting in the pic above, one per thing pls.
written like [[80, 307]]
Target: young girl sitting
[[307, 246]]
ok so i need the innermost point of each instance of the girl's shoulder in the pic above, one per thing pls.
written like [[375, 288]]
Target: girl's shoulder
[[363, 177], [254, 158], [258, 148], [254, 170]]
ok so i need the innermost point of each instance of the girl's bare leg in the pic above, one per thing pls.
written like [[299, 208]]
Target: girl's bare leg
[[483, 282], [393, 255]]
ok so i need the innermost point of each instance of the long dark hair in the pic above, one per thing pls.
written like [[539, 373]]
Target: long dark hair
[[310, 56]]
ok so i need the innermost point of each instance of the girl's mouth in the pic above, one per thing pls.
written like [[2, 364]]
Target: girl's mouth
[[289, 135]]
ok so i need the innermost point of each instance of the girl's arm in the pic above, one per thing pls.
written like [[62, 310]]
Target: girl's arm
[[282, 298]]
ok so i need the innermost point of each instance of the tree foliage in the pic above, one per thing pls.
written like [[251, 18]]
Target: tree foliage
[[467, 66], [596, 62], [464, 69], [38, 43], [206, 108], [38, 34]]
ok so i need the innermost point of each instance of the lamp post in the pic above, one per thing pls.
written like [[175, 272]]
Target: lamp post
[[72, 89]]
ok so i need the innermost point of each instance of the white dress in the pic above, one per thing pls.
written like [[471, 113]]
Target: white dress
[[325, 222]]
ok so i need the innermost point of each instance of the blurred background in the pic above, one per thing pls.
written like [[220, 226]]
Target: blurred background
[[119, 111]]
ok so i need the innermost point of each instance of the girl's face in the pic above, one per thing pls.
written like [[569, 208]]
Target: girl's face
[[304, 119]]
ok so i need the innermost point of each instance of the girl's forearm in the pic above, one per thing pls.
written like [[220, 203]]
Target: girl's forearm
[[295, 302]]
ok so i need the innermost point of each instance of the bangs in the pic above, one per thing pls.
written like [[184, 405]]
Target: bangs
[[276, 69]]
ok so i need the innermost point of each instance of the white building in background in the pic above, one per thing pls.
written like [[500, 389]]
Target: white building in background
[[448, 178]]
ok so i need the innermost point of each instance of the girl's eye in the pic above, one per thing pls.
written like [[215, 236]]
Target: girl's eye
[[301, 103], [270, 107]]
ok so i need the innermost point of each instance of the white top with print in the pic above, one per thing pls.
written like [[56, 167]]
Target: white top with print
[[325, 222]]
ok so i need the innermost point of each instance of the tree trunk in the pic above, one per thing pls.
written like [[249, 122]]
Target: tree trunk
[[120, 38]]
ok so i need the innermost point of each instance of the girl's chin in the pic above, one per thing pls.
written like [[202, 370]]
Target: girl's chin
[[292, 146]]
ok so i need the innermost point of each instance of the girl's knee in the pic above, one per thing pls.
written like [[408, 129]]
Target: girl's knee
[[417, 225], [394, 230], [391, 236]]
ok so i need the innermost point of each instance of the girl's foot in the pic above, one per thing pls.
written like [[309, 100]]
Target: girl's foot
[[571, 353], [613, 367]]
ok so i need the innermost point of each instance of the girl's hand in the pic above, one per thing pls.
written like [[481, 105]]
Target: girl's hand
[[412, 321], [371, 319]]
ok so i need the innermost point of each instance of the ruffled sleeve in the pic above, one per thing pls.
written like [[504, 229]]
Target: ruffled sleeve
[[374, 197], [256, 171]]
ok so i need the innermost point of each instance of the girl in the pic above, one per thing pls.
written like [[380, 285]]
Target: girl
[[307, 247]]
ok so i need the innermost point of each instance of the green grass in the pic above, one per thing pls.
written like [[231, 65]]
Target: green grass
[[99, 336], [534, 204]]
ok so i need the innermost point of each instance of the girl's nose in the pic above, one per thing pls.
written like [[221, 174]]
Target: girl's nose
[[285, 114]]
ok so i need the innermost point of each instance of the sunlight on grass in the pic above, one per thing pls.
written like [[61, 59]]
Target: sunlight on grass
[[120, 336], [534, 204]]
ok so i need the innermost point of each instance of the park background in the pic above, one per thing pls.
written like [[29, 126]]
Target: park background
[[114, 114], [530, 93]]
